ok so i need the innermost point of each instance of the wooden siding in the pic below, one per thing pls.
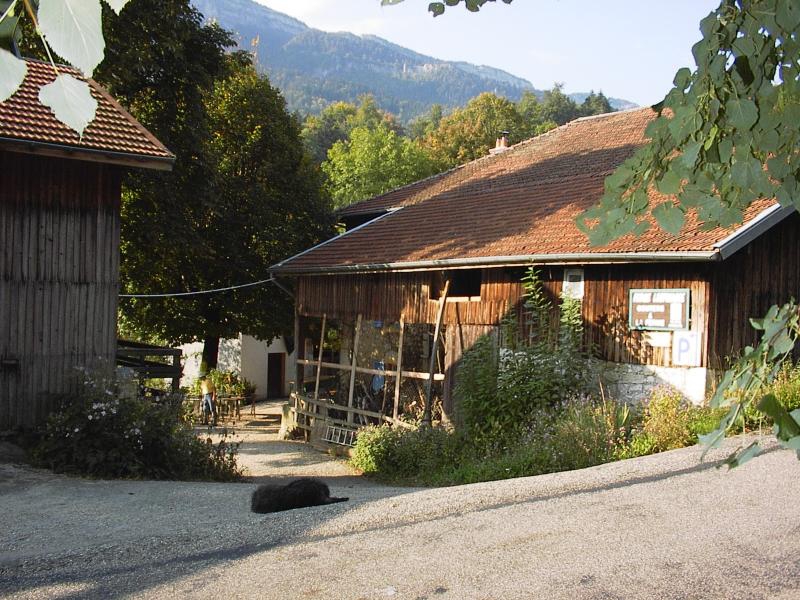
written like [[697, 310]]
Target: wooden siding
[[384, 296], [764, 273], [605, 308], [59, 278], [605, 305]]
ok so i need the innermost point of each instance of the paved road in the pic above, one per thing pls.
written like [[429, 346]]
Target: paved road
[[663, 526]]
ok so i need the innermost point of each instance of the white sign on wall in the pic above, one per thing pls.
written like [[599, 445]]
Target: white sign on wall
[[686, 349]]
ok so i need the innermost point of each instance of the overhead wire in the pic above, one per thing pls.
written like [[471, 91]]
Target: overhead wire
[[199, 292]]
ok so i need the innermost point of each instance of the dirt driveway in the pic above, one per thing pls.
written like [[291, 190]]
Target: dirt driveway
[[662, 526]]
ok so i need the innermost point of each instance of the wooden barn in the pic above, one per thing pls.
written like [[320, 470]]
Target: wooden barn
[[59, 242], [453, 248]]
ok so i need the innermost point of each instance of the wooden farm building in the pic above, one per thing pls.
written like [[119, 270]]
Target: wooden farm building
[[59, 242], [480, 225]]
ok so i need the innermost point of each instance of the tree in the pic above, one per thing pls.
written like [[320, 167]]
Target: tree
[[222, 216], [556, 106], [267, 205], [373, 161], [595, 104], [425, 125], [468, 133], [336, 122]]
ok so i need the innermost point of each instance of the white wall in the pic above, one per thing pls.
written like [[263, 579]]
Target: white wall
[[245, 355]]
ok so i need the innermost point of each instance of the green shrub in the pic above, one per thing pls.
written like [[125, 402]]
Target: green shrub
[[703, 420], [412, 456], [640, 443], [101, 433], [666, 419], [227, 383], [589, 432]]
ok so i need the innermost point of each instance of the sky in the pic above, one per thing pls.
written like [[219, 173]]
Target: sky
[[627, 49]]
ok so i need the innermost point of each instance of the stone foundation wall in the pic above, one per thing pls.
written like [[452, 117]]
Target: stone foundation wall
[[633, 383]]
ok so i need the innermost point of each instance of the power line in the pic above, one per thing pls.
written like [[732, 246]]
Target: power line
[[199, 292]]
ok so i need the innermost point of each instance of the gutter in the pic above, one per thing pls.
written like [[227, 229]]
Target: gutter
[[510, 261]]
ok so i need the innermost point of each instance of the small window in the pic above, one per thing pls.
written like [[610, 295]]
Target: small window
[[465, 285], [573, 283]]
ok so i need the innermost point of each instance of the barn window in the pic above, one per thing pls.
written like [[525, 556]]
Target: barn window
[[465, 285]]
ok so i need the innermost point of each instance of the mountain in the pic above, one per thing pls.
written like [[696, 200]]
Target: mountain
[[314, 68]]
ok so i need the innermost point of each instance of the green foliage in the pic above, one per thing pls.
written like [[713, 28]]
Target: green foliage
[[726, 134], [373, 161], [238, 159], [666, 420], [406, 455], [227, 383], [336, 122], [500, 390], [437, 8], [103, 432], [589, 432], [476, 388], [469, 132], [753, 382]]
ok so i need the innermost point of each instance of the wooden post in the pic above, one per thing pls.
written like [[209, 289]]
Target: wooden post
[[353, 369], [299, 344], [319, 357], [176, 381], [396, 411], [427, 415]]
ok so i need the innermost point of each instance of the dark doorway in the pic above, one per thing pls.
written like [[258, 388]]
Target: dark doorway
[[276, 369]]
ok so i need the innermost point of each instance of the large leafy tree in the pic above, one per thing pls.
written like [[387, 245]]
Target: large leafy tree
[[239, 173], [372, 161], [337, 120], [267, 204], [469, 132]]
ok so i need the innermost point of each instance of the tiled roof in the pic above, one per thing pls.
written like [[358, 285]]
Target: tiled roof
[[113, 136], [509, 207]]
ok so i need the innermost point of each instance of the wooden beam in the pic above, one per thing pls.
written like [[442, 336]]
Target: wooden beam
[[427, 415], [396, 411], [369, 371], [351, 391], [319, 357]]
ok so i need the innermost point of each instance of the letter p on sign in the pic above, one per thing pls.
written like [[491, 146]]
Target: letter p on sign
[[686, 349]]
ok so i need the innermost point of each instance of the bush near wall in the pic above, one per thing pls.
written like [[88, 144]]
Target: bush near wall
[[101, 432]]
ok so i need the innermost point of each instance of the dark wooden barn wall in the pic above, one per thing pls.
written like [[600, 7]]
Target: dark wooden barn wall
[[764, 273], [605, 306], [59, 278], [385, 296]]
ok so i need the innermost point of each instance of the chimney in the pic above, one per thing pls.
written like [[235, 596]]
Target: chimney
[[501, 144]]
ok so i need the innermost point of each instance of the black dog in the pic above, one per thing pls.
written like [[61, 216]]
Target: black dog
[[299, 493]]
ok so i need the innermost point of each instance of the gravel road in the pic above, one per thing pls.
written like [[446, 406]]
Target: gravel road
[[664, 526]]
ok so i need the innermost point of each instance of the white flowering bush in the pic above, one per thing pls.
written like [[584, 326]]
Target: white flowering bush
[[102, 432]]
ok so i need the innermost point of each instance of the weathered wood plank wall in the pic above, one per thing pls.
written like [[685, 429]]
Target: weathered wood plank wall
[[764, 273], [59, 278], [605, 306]]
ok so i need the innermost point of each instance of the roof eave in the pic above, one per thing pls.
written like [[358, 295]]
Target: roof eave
[[141, 161], [505, 261], [758, 225]]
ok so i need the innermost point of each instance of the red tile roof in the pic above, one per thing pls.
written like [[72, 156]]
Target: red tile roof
[[114, 136], [510, 208]]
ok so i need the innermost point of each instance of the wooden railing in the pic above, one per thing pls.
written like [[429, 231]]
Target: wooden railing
[[306, 410]]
